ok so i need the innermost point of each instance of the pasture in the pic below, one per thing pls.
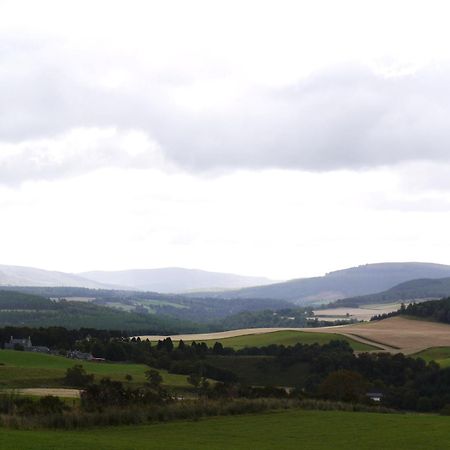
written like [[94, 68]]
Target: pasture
[[294, 429], [439, 354], [286, 338], [259, 337], [33, 370]]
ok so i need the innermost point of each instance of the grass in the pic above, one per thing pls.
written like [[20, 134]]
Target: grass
[[439, 354], [287, 430], [26, 369], [287, 338]]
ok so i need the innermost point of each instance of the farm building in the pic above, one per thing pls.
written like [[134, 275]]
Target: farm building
[[375, 396], [26, 345], [76, 354]]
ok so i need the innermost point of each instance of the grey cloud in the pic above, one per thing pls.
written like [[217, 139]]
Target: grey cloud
[[79, 151], [344, 117]]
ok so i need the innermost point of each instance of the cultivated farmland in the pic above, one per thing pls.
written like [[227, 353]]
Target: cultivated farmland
[[399, 334], [260, 337], [396, 334], [288, 337]]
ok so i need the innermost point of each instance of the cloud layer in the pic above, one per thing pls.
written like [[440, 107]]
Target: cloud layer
[[347, 116]]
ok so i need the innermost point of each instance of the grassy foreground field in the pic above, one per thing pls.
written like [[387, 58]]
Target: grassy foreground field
[[26, 369], [309, 430], [288, 337]]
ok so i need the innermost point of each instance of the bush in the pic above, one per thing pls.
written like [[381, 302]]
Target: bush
[[76, 376], [343, 385]]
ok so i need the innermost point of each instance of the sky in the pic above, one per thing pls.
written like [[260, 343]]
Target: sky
[[272, 138]]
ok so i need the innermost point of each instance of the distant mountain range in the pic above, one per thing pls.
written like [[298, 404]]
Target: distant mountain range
[[168, 280], [29, 276], [174, 280], [342, 284], [356, 281]]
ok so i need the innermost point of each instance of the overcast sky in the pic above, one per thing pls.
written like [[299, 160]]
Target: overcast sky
[[276, 138]]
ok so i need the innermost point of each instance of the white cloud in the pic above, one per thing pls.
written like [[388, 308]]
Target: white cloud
[[75, 152], [311, 135]]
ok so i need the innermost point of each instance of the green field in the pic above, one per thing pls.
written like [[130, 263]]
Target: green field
[[26, 369], [439, 354], [308, 430], [287, 338]]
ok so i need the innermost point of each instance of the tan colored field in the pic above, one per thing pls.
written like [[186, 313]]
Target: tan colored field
[[362, 313], [395, 334], [219, 335], [399, 334], [58, 392]]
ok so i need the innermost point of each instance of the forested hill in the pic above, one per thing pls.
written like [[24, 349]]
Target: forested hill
[[411, 290], [19, 309], [438, 310], [195, 309], [356, 281], [433, 310]]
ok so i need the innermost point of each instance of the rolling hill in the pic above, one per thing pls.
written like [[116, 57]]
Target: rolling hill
[[30, 276], [173, 280], [424, 288], [355, 281], [20, 309], [166, 280], [195, 309]]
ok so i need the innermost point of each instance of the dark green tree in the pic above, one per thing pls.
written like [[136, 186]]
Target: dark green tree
[[194, 379], [154, 379], [343, 385], [76, 376]]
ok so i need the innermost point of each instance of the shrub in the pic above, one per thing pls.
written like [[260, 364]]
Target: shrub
[[76, 376]]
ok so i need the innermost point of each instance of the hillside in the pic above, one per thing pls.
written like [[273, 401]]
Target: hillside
[[166, 280], [196, 309], [355, 281], [19, 309], [30, 276], [399, 333], [171, 280], [31, 370], [436, 310], [425, 288]]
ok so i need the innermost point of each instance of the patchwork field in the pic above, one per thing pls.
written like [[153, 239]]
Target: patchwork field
[[35, 370], [396, 334], [258, 337], [309, 430], [287, 337], [400, 334], [364, 312]]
